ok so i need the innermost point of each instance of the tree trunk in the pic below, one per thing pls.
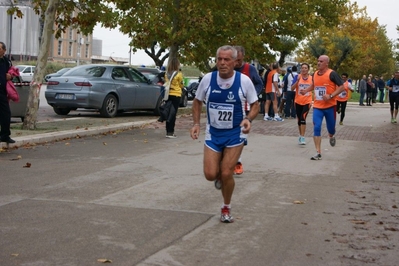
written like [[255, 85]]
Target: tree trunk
[[34, 93]]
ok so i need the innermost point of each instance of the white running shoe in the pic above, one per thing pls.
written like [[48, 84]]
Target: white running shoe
[[316, 157], [225, 216]]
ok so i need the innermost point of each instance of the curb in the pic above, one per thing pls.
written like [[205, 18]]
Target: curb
[[55, 136]]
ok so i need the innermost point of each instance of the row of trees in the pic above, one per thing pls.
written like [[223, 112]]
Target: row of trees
[[357, 45], [193, 29]]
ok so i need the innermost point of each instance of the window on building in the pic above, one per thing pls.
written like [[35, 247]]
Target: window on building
[[87, 51], [59, 47], [70, 49], [70, 33]]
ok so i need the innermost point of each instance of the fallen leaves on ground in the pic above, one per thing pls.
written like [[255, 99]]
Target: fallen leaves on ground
[[16, 159], [358, 222], [104, 260]]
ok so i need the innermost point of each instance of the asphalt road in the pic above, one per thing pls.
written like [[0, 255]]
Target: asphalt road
[[136, 198]]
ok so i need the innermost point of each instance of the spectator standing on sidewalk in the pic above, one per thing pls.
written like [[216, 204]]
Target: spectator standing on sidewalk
[[327, 84], [302, 102], [5, 112], [272, 92], [175, 93], [251, 72], [362, 89], [381, 88], [342, 98], [394, 97], [225, 92], [369, 92], [262, 94], [375, 89], [290, 94]]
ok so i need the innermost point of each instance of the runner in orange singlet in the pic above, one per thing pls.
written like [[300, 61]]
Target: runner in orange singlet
[[302, 102], [327, 84]]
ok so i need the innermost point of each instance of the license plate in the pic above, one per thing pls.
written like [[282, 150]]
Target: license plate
[[65, 96]]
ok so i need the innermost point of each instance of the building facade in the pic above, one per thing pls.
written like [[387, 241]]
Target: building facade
[[71, 47], [22, 37]]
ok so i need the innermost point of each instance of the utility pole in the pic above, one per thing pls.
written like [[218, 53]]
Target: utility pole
[[10, 41]]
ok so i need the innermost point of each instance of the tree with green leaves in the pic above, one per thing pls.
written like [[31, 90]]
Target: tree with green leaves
[[189, 29], [33, 100], [194, 29], [357, 45], [58, 15]]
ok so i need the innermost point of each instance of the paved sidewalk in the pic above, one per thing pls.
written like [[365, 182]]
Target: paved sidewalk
[[76, 126]]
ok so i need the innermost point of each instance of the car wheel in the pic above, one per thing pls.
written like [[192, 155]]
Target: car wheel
[[61, 111], [110, 106], [156, 110]]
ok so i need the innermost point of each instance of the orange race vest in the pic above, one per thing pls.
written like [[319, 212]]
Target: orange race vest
[[269, 82], [301, 85], [323, 85], [344, 95]]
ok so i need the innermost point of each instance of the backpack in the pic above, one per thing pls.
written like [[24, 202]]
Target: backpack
[[265, 76], [285, 80]]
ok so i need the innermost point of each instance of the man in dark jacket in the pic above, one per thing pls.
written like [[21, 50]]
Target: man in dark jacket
[[250, 71], [381, 87], [5, 112], [374, 89]]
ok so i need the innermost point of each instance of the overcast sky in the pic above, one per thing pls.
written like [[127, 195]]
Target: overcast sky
[[117, 44]]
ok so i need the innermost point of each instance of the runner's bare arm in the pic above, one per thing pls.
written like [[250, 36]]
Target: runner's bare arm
[[195, 130]]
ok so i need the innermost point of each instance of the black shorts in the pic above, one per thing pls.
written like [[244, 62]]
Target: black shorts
[[271, 96]]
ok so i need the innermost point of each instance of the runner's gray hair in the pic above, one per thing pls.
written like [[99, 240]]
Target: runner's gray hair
[[240, 49], [226, 48]]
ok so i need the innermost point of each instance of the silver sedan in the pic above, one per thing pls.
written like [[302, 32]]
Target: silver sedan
[[105, 87]]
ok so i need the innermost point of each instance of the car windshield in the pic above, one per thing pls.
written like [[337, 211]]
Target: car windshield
[[20, 68], [92, 71]]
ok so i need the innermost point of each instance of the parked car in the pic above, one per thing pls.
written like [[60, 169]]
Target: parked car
[[104, 87], [26, 72], [18, 109], [157, 77], [59, 73]]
